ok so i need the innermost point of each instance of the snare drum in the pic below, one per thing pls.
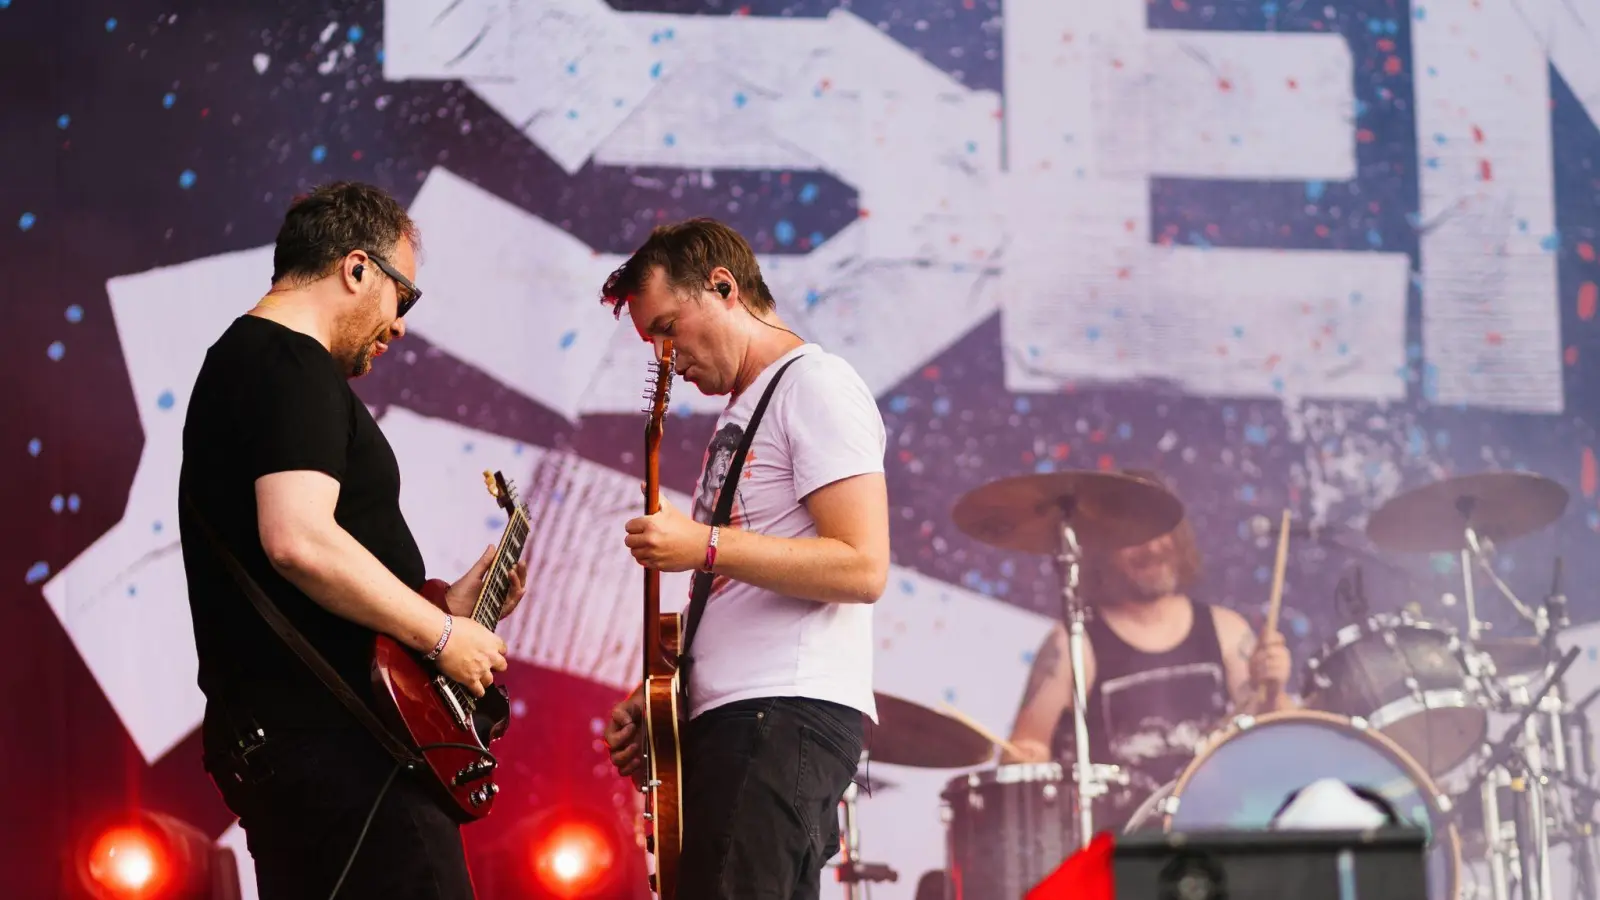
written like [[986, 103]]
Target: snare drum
[[1006, 829], [1243, 777], [1410, 680]]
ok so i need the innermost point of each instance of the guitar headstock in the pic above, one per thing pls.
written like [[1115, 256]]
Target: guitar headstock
[[660, 392], [503, 491]]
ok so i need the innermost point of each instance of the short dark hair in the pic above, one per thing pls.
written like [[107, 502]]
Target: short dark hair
[[687, 251], [334, 219]]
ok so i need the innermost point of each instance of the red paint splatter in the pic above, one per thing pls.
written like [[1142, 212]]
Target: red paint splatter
[[1129, 225], [1066, 37], [1116, 64], [1123, 274], [1485, 170], [968, 4], [1106, 463], [1477, 135], [1272, 361], [1364, 136], [205, 111], [1586, 251], [1588, 476], [1588, 294], [905, 456], [1061, 451], [1180, 6], [1494, 338], [1391, 66], [1224, 84], [1571, 356], [1212, 230], [1097, 436], [1027, 457], [356, 155], [1222, 350], [825, 84], [864, 213], [1294, 85], [931, 373], [1386, 45], [1322, 231]]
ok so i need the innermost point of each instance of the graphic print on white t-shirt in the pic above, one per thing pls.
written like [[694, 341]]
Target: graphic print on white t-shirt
[[821, 426]]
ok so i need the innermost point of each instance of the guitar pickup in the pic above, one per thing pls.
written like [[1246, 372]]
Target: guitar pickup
[[473, 772]]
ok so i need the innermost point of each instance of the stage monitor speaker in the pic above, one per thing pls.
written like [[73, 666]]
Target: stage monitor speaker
[[1381, 864]]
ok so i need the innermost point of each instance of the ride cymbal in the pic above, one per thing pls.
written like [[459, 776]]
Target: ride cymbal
[[910, 734], [1108, 510], [1498, 505]]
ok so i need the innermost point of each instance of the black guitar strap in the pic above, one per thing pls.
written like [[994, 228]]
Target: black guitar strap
[[701, 589], [297, 642]]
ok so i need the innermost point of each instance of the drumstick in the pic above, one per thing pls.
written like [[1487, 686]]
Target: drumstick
[[987, 735], [1276, 599]]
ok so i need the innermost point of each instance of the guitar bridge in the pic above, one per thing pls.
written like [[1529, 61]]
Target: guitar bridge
[[447, 692]]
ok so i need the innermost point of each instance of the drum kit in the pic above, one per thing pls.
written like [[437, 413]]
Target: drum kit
[[1392, 702]]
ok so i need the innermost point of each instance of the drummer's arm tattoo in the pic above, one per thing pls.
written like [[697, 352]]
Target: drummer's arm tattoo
[[1045, 667]]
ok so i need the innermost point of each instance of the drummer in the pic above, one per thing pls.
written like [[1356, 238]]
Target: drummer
[[1163, 670]]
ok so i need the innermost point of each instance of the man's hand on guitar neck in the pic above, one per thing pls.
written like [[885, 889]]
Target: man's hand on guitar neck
[[462, 598], [624, 736]]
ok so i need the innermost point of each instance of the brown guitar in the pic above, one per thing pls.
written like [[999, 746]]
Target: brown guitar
[[663, 770]]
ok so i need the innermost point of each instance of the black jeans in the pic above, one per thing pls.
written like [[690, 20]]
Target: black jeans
[[301, 822], [762, 784]]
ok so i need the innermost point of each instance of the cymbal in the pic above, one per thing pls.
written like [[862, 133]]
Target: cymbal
[[1025, 512], [910, 734], [1498, 505]]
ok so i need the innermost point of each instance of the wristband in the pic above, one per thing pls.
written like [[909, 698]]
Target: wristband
[[439, 647], [711, 548]]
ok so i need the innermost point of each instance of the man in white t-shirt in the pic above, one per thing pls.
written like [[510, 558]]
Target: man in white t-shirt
[[782, 659]]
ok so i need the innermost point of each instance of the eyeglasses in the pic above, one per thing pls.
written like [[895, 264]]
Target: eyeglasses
[[408, 293]]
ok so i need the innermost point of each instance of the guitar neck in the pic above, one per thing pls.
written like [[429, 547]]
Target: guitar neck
[[497, 581]]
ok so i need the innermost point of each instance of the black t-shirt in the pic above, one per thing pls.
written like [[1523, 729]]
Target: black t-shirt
[[270, 399]]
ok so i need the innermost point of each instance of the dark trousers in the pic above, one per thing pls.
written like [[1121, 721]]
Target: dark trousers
[[301, 823], [762, 784]]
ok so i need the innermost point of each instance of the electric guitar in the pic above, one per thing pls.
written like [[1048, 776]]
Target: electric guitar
[[420, 702], [663, 770]]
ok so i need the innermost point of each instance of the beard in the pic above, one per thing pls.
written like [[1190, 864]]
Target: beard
[[357, 334], [1145, 584]]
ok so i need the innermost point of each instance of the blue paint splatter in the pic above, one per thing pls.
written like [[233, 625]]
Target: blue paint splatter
[[1022, 406], [74, 314], [1093, 334], [319, 153], [1269, 9], [1044, 466], [165, 401], [655, 71], [739, 99], [972, 146], [812, 297], [35, 446], [354, 34], [1441, 439], [1124, 431], [1027, 657], [73, 503], [808, 192], [899, 403], [156, 526], [572, 114], [492, 523], [1374, 238], [63, 120], [941, 406], [57, 503], [467, 447], [568, 338], [669, 140], [1229, 415], [133, 590], [26, 220], [907, 587], [784, 232], [1420, 13], [111, 25], [1550, 242], [817, 238], [55, 351], [169, 99], [1314, 190], [572, 67], [186, 179], [1238, 331], [1262, 574], [38, 572], [1247, 493], [1255, 434]]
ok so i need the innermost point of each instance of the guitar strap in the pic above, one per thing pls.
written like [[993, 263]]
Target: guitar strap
[[297, 642], [701, 588]]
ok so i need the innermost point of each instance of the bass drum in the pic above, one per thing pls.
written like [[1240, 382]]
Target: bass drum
[[1241, 778]]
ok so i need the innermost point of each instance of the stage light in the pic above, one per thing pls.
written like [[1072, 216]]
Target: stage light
[[151, 856], [573, 857]]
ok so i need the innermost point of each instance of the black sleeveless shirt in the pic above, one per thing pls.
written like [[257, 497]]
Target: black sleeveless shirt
[[1147, 711]]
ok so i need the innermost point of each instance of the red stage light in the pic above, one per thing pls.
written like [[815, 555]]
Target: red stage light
[[129, 862], [150, 856], [573, 856]]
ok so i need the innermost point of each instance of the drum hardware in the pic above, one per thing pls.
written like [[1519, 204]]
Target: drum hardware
[[851, 871], [1043, 514]]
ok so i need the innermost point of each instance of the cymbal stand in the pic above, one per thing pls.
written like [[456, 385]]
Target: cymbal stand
[[851, 871], [1092, 779]]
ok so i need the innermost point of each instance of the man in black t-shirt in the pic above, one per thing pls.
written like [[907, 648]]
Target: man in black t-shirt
[[284, 462]]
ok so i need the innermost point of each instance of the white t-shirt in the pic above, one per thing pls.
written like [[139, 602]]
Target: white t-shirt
[[821, 425]]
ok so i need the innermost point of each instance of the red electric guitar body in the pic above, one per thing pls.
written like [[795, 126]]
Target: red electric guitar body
[[663, 787], [419, 702]]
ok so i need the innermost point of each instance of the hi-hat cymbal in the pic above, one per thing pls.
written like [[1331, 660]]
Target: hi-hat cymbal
[[1108, 510], [1498, 505], [909, 734], [1515, 655]]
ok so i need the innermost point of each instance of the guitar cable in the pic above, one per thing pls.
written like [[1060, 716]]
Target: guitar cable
[[383, 791]]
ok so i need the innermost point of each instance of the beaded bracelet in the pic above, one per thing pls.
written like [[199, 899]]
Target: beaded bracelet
[[439, 647]]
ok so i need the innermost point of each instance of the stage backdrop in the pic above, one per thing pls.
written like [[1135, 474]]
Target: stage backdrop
[[1294, 255]]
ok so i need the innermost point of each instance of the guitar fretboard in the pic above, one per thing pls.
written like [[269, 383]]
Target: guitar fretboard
[[496, 589]]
